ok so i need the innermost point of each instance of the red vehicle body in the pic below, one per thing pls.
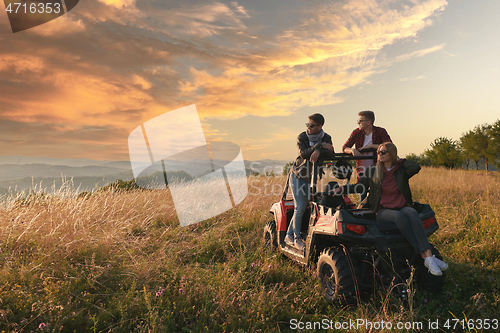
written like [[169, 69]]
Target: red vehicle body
[[351, 249]]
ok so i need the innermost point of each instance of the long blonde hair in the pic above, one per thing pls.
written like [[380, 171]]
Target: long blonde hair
[[392, 150]]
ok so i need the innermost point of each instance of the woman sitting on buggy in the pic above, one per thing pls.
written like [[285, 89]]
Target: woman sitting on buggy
[[390, 198]]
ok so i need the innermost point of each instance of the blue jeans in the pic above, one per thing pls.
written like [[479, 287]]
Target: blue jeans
[[410, 225], [300, 190]]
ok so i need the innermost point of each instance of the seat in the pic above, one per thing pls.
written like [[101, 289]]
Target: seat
[[330, 200]]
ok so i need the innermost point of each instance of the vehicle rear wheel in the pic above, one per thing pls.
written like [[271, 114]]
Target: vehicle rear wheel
[[338, 274], [270, 235], [426, 280]]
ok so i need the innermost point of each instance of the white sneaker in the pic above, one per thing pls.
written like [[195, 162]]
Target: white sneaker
[[299, 244], [431, 264], [441, 264], [289, 240]]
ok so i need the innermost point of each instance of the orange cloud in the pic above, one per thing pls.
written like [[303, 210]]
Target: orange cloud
[[21, 63], [334, 49], [118, 63], [64, 25], [72, 97], [118, 3]]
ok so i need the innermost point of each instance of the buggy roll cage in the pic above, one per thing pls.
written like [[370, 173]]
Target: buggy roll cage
[[326, 160]]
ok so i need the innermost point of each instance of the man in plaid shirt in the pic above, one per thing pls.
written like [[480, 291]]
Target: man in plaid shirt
[[366, 136]]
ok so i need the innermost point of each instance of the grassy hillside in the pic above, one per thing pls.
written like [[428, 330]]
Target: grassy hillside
[[119, 262]]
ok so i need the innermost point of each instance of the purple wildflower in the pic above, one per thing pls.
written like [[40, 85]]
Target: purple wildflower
[[253, 264], [181, 291], [41, 326]]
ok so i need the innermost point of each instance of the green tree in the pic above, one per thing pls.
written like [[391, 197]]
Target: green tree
[[413, 157], [475, 145], [482, 142], [421, 159], [468, 145], [444, 152], [494, 143], [287, 168], [425, 160]]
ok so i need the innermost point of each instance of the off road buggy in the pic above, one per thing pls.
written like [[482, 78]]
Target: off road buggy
[[354, 253]]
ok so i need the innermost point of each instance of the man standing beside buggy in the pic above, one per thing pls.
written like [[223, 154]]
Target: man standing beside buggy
[[366, 136], [311, 143]]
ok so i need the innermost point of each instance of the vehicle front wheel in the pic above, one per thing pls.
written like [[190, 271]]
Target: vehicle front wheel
[[270, 235], [338, 274]]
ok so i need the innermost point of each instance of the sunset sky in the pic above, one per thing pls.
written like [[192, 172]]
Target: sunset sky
[[77, 86]]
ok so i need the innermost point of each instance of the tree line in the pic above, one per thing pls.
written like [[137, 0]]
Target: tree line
[[479, 144]]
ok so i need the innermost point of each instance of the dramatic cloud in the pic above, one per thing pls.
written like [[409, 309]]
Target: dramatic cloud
[[337, 46], [116, 63]]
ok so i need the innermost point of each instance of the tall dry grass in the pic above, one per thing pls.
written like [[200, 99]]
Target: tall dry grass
[[119, 261], [467, 204]]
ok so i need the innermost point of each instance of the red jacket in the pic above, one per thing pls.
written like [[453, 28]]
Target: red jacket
[[357, 138]]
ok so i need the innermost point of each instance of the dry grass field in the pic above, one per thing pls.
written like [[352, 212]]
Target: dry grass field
[[118, 261]]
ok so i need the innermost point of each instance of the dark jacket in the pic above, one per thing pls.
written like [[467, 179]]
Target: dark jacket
[[357, 138], [407, 170], [302, 167]]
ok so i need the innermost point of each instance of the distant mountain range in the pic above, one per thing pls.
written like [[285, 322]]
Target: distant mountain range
[[20, 171], [24, 172], [62, 161]]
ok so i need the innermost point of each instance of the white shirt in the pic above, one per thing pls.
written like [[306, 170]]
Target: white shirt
[[368, 141]]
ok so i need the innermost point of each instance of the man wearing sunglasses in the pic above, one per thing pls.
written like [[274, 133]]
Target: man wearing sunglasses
[[311, 143], [366, 136]]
